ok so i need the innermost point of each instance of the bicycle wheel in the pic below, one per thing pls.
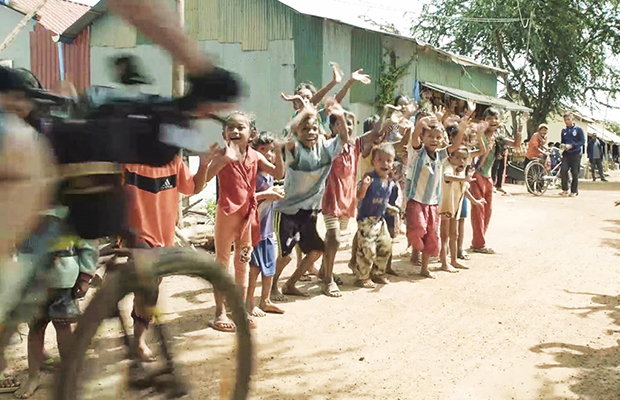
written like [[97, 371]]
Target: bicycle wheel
[[535, 182], [170, 261]]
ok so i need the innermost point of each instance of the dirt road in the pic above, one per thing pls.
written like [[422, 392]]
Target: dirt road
[[539, 320]]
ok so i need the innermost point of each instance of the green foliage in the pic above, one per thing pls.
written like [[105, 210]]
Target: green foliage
[[614, 127], [388, 81], [209, 207], [565, 54]]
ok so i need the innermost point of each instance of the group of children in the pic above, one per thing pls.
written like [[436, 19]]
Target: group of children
[[416, 166]]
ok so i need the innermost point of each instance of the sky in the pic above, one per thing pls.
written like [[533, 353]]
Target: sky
[[401, 13]]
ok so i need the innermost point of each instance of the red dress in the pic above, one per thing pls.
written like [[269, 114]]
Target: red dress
[[237, 192]]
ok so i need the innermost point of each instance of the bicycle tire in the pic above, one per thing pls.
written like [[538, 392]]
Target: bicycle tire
[[535, 182], [171, 261]]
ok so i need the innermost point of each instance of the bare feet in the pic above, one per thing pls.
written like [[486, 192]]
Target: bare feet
[[257, 312], [28, 388], [268, 307], [223, 324], [276, 294], [390, 271], [380, 279], [427, 274], [416, 261], [459, 265], [449, 268], [145, 354], [366, 283], [293, 291]]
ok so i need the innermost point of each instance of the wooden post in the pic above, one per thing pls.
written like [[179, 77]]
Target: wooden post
[[13, 34]]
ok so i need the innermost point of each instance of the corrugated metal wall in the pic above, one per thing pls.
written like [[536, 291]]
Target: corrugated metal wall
[[44, 57], [437, 68], [336, 45], [45, 63], [366, 52], [253, 23], [77, 60], [308, 36]]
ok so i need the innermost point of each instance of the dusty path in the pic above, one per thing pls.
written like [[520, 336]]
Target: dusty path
[[540, 320]]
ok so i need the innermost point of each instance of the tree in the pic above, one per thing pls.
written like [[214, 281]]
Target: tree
[[559, 53]]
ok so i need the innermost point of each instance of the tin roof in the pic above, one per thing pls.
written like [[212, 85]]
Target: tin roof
[[55, 16], [322, 9]]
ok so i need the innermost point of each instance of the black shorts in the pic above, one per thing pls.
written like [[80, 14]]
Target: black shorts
[[299, 229]]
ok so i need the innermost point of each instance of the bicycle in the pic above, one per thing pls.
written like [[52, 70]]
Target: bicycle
[[25, 295], [538, 178]]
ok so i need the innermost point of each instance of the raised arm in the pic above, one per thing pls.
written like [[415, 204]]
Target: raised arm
[[416, 141], [357, 76], [277, 171], [334, 108], [316, 99], [458, 140], [521, 131], [482, 147], [363, 187]]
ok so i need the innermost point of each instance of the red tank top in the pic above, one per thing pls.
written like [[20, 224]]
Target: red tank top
[[237, 191]]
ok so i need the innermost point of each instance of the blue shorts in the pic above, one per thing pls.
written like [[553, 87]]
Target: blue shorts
[[464, 206], [264, 257]]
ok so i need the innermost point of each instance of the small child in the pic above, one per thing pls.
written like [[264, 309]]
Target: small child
[[236, 218], [74, 262], [264, 254], [424, 184], [454, 188], [374, 242], [309, 159]]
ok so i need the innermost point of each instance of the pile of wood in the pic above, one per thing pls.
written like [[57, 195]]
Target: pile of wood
[[198, 229]]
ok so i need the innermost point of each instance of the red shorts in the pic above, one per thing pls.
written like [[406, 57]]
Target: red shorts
[[422, 223]]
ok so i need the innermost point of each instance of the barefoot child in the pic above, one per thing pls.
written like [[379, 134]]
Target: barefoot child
[[264, 254], [454, 187], [374, 243], [339, 200], [74, 263], [236, 219], [309, 159], [424, 184]]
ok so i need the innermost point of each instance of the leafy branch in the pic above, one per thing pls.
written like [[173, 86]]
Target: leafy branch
[[388, 80]]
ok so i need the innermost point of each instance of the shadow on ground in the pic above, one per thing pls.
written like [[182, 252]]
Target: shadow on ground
[[598, 370]]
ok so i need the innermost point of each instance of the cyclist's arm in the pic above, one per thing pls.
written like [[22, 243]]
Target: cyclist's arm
[[155, 20]]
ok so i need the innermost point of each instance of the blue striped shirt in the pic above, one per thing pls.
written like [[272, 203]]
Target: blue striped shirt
[[424, 175]]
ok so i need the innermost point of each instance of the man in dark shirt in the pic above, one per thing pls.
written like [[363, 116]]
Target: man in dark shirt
[[574, 139], [596, 153]]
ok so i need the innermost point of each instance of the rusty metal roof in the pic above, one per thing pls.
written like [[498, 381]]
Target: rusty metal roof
[[55, 16]]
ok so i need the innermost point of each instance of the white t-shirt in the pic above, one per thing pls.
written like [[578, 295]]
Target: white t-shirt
[[452, 193]]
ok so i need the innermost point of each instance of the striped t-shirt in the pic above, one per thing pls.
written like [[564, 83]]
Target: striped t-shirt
[[424, 175]]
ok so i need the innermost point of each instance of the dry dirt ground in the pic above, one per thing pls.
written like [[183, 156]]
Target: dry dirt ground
[[539, 320]]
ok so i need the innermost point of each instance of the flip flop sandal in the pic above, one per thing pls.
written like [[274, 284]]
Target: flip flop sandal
[[484, 250], [220, 326], [8, 383], [463, 256], [332, 290]]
